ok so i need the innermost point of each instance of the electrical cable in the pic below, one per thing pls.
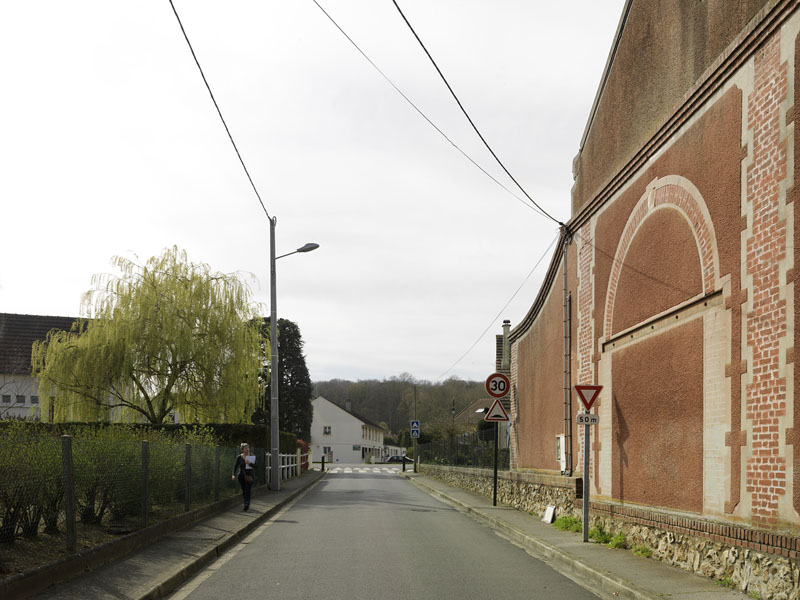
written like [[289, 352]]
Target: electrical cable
[[219, 112], [423, 115], [623, 265], [463, 110], [514, 295]]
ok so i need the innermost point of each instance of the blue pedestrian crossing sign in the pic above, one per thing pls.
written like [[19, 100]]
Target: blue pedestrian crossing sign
[[415, 428], [414, 424]]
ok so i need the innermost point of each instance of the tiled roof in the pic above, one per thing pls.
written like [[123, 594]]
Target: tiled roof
[[363, 419], [17, 334]]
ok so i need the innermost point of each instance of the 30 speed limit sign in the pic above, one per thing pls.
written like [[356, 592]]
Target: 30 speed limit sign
[[497, 385]]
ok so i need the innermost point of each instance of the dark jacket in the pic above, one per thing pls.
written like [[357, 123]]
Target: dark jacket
[[241, 468]]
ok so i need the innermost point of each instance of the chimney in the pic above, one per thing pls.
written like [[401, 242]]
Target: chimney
[[505, 363], [348, 406]]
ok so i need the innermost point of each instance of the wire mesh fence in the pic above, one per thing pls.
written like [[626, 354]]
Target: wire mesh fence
[[67, 492], [465, 450]]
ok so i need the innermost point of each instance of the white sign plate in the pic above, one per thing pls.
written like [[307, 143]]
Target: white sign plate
[[587, 419]]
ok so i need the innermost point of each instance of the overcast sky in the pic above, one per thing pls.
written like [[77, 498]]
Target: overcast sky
[[110, 145]]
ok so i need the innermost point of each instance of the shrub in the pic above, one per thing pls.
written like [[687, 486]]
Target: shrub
[[643, 551], [568, 523], [618, 542], [599, 535]]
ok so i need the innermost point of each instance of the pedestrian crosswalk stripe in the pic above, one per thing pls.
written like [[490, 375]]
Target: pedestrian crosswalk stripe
[[378, 470]]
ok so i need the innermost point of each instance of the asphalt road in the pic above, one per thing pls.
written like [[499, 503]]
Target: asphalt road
[[367, 533]]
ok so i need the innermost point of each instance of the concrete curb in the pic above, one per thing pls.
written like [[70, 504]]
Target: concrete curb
[[171, 581], [565, 563]]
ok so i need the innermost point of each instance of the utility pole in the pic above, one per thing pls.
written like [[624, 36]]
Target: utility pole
[[416, 456]]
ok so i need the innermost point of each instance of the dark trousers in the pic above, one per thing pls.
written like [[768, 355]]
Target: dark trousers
[[245, 489]]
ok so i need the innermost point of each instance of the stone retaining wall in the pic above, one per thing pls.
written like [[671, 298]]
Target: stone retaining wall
[[760, 563], [529, 492]]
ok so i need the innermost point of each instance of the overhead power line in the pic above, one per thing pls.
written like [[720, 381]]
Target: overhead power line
[[219, 112], [505, 306], [422, 114], [463, 110]]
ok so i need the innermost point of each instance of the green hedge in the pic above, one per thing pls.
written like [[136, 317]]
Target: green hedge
[[224, 434], [107, 470]]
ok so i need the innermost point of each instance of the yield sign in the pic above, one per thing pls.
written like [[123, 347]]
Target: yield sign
[[588, 394], [496, 413]]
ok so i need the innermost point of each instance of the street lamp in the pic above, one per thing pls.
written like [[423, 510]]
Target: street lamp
[[274, 432]]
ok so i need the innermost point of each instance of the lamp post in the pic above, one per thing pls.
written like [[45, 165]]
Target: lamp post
[[274, 432]]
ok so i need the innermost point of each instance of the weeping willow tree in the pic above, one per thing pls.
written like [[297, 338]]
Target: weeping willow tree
[[164, 336]]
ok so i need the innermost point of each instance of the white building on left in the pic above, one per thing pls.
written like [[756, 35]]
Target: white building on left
[[19, 393]]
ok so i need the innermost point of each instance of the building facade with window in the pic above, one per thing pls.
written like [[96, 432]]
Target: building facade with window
[[344, 436], [19, 393], [676, 285]]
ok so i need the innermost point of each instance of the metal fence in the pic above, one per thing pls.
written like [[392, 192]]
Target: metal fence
[[465, 450], [56, 488]]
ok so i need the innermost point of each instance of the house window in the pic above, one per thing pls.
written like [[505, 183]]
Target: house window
[[6, 398], [34, 399], [20, 399], [326, 430], [356, 448], [326, 449]]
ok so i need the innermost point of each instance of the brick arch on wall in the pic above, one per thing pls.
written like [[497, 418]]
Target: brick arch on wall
[[668, 192]]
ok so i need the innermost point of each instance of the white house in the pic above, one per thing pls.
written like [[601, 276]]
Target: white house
[[344, 436], [19, 395]]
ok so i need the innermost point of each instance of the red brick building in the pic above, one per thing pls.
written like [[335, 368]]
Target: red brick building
[[682, 283]]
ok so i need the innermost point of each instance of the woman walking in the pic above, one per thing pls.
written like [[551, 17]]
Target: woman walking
[[244, 471]]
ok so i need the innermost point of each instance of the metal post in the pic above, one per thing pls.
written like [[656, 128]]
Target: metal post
[[216, 472], [187, 473], [494, 498], [586, 436], [416, 456], [567, 306], [145, 481], [274, 378], [69, 490], [323, 462]]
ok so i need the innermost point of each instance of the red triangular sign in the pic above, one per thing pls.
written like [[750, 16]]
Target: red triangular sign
[[496, 413], [588, 394]]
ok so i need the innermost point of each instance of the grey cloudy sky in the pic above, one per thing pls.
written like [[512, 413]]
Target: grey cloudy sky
[[110, 145]]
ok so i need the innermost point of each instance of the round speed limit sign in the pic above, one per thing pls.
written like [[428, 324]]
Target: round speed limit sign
[[497, 385]]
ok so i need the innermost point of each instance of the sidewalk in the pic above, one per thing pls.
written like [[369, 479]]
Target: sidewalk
[[156, 570], [608, 573]]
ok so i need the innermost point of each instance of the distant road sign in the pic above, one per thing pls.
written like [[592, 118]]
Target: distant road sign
[[497, 385], [415, 424], [588, 394], [496, 413], [415, 433], [587, 419]]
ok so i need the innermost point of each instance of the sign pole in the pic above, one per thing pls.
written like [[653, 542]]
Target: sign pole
[[586, 436], [494, 497], [588, 394], [497, 386]]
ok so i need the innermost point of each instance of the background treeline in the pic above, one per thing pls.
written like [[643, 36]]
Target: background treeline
[[390, 402]]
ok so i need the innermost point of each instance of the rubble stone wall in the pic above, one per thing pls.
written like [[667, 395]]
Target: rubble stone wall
[[763, 564]]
